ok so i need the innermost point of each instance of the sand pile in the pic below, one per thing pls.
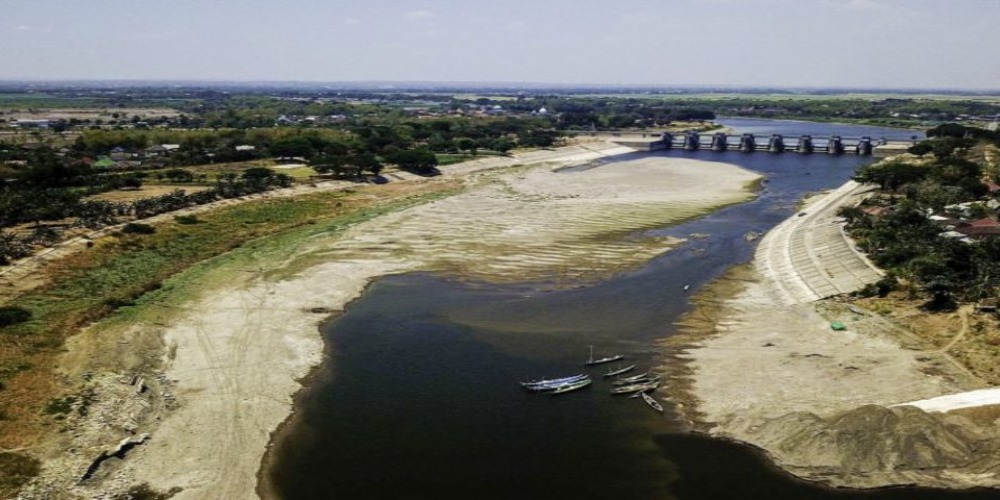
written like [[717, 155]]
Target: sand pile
[[873, 445]]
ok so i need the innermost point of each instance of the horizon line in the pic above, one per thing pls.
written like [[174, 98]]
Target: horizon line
[[459, 84]]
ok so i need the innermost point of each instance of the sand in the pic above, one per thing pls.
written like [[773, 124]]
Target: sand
[[762, 368], [235, 358]]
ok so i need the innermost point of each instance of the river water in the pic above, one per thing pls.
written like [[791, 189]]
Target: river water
[[420, 400]]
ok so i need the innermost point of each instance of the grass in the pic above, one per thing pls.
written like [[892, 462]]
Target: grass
[[449, 159], [121, 277], [17, 469]]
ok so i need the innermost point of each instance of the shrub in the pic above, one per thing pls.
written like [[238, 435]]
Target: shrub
[[145, 492], [60, 406], [15, 470], [186, 219], [12, 315], [138, 228]]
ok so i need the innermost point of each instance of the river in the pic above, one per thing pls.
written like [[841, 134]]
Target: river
[[419, 398]]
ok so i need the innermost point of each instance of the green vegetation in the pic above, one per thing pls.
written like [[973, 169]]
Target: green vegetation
[[173, 264], [186, 219], [13, 315], [146, 492], [138, 228], [954, 258]]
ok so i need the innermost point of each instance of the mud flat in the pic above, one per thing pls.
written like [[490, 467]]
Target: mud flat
[[754, 366], [235, 354]]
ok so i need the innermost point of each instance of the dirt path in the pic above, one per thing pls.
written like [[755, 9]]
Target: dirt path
[[963, 315]]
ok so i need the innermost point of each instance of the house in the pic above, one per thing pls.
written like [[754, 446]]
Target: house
[[246, 147], [876, 211], [119, 153], [128, 165], [979, 229], [964, 209], [154, 151]]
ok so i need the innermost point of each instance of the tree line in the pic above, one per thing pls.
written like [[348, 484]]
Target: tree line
[[902, 238]]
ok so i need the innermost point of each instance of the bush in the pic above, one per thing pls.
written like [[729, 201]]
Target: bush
[[12, 315], [145, 492], [186, 219], [138, 228], [15, 470]]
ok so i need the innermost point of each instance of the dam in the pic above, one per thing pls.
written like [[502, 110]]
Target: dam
[[749, 143]]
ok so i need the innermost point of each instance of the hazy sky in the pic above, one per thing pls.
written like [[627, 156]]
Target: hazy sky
[[879, 43]]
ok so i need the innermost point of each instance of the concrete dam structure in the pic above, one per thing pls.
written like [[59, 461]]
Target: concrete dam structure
[[776, 143]]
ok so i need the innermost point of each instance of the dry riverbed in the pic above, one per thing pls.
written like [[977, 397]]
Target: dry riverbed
[[233, 356]]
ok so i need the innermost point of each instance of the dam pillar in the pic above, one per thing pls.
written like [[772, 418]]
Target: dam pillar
[[836, 146], [748, 143], [805, 144], [720, 142], [864, 146], [776, 144], [668, 140], [692, 141]]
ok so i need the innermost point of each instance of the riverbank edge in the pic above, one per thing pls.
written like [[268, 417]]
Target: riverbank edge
[[698, 325]]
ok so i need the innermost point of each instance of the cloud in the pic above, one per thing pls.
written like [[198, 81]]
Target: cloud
[[352, 21], [23, 28], [420, 14]]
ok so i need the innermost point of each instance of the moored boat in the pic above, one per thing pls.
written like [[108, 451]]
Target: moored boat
[[591, 361], [634, 379], [627, 389], [620, 371], [572, 387], [654, 404], [552, 381]]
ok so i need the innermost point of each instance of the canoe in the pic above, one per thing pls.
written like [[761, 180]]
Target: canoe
[[634, 379], [543, 382], [626, 389], [616, 357], [619, 371], [572, 387], [591, 361], [654, 404]]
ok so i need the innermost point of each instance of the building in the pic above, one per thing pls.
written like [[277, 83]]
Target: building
[[31, 123]]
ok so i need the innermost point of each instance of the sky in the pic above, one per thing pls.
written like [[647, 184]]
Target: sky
[[933, 44]]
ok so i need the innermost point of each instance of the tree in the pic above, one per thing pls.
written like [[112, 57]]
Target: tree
[[890, 175], [179, 175], [420, 161]]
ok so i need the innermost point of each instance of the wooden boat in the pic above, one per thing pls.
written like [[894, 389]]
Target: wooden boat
[[642, 377], [654, 404], [619, 371], [646, 380], [591, 361], [543, 382], [555, 385], [572, 387], [627, 389]]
